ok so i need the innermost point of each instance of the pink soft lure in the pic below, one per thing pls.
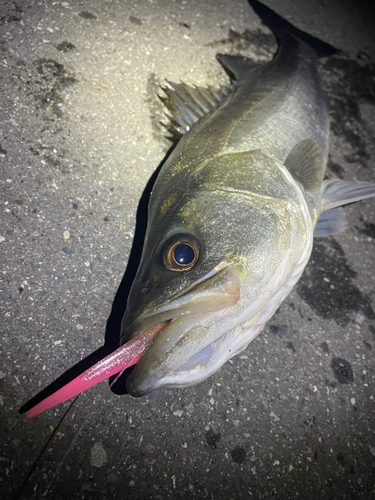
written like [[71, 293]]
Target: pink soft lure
[[125, 356]]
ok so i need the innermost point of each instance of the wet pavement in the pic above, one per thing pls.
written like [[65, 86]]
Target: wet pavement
[[294, 415]]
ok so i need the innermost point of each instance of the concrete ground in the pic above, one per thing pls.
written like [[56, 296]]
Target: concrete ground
[[294, 415]]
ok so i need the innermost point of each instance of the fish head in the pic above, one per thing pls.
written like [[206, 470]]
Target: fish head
[[216, 253]]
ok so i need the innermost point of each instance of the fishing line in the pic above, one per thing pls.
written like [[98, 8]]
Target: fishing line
[[64, 457], [33, 468]]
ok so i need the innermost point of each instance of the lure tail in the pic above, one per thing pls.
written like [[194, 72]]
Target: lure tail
[[124, 357]]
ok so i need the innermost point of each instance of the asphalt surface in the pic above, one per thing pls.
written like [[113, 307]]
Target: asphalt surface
[[293, 416]]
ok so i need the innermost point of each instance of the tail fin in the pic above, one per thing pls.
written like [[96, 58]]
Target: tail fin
[[281, 28]]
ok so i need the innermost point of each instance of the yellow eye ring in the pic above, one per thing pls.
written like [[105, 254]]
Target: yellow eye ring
[[181, 253]]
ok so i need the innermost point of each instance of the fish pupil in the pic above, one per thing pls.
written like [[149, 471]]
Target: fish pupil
[[183, 254]]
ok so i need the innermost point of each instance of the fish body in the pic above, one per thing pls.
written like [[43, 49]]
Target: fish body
[[246, 185], [232, 216]]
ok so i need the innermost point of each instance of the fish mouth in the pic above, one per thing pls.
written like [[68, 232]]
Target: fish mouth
[[178, 356]]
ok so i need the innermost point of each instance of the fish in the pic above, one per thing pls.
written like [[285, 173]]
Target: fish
[[231, 219]]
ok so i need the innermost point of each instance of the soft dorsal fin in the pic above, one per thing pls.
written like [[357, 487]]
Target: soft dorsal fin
[[305, 164], [236, 66], [187, 105]]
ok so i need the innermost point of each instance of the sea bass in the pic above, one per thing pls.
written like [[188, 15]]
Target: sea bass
[[232, 216]]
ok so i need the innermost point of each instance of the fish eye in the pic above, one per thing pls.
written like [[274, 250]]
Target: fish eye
[[180, 253]]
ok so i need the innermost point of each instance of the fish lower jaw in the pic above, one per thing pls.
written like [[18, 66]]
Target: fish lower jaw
[[197, 367], [211, 358], [205, 363]]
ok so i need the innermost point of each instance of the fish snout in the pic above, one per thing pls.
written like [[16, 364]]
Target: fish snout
[[193, 327]]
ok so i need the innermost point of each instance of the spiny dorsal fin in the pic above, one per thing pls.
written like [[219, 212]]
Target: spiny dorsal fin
[[305, 164], [186, 105], [235, 66], [337, 192]]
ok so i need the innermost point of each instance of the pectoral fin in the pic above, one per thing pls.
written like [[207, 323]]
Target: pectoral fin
[[305, 163]]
